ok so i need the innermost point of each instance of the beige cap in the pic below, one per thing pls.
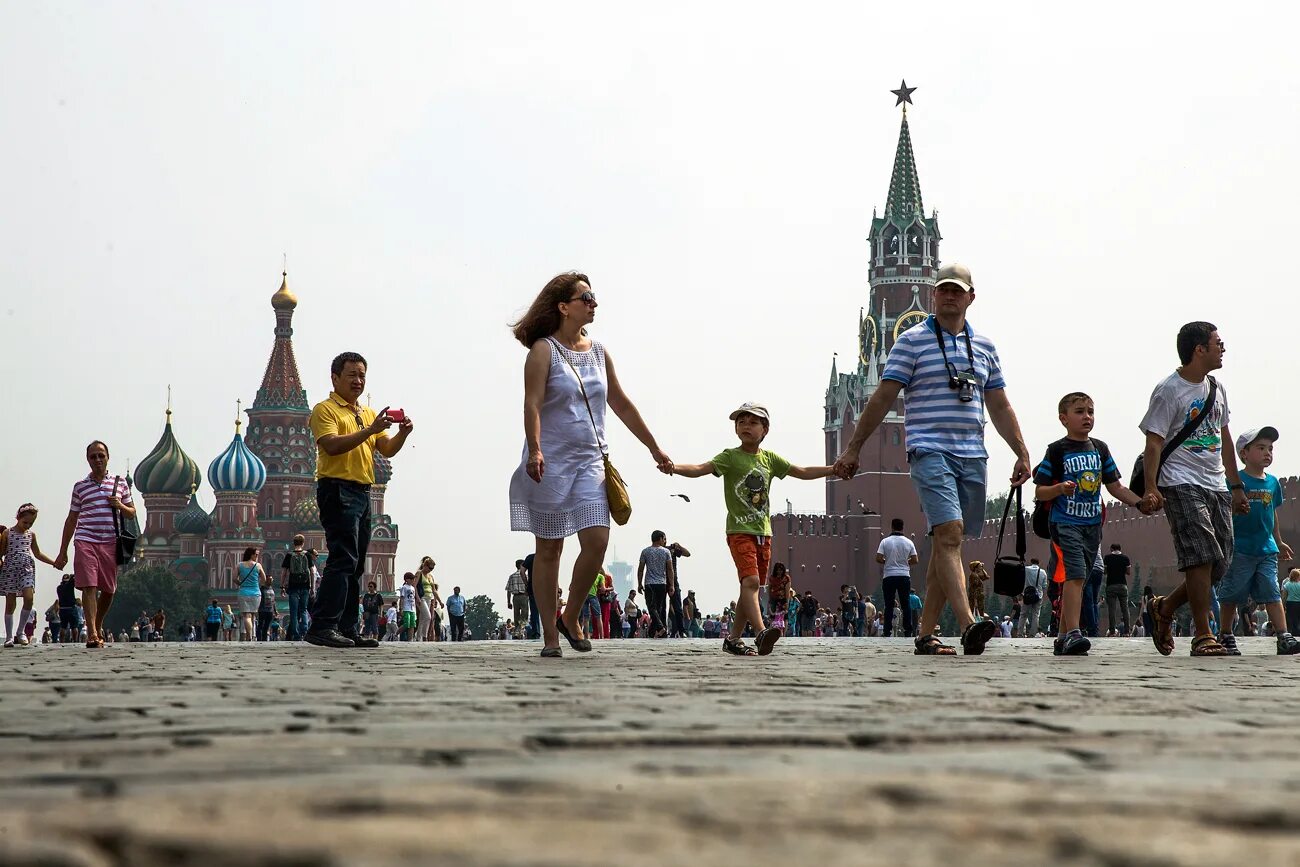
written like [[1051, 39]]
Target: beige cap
[[753, 409], [1262, 433], [955, 273]]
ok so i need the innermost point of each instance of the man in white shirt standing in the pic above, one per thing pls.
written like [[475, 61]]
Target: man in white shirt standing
[[1031, 598], [898, 555]]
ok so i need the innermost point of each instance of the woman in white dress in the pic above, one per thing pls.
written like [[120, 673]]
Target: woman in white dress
[[559, 488]]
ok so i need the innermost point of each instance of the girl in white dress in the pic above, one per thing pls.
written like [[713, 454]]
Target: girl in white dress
[[559, 488], [20, 552]]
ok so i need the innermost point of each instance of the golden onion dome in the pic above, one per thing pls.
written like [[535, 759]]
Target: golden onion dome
[[284, 299]]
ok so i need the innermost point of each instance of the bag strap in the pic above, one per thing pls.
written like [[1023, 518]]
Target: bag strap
[[1020, 524], [603, 449], [1192, 424], [117, 520]]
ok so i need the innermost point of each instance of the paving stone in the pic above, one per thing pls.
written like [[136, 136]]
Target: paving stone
[[829, 751]]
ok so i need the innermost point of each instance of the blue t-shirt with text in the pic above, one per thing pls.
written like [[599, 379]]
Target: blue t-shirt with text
[[1089, 465], [1253, 533]]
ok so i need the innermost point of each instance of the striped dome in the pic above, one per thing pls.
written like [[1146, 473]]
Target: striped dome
[[383, 469], [237, 468], [167, 469], [193, 520]]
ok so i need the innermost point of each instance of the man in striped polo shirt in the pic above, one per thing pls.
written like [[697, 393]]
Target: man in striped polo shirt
[[950, 376], [90, 520]]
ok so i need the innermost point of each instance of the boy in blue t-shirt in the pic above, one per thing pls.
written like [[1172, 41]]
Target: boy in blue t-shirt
[[1257, 542], [1071, 476]]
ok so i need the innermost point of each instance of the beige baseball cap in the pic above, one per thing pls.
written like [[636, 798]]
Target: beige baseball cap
[[753, 409], [955, 273]]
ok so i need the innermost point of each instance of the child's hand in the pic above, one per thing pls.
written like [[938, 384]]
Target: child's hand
[[1068, 488]]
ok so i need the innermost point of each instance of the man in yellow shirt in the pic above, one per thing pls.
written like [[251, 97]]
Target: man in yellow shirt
[[347, 436]]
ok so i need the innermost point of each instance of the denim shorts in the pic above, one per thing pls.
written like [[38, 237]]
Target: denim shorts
[[950, 488], [1251, 578], [1077, 544]]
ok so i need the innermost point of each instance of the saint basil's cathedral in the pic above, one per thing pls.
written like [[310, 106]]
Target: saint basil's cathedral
[[264, 485]]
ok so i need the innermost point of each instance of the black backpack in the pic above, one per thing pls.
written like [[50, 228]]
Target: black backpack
[[1042, 517]]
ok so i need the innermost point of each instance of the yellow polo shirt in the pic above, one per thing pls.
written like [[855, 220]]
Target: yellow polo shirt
[[334, 416]]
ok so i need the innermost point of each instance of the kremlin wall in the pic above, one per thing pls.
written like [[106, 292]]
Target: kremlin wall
[[263, 484]]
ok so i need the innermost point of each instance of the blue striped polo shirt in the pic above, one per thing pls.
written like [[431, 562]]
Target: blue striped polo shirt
[[935, 420]]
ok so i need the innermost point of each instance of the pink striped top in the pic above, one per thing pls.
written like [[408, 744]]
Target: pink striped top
[[94, 514]]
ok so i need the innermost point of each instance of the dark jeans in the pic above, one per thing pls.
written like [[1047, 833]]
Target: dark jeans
[[457, 627], [656, 600], [1117, 608], [807, 624], [210, 631], [264, 619], [1088, 615], [345, 515], [534, 618], [298, 597], [372, 625], [679, 622], [900, 586], [1292, 610]]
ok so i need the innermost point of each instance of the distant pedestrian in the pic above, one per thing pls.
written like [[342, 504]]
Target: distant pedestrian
[[1118, 569], [266, 611], [517, 597], [19, 550], [227, 625], [409, 596], [1291, 594], [371, 604], [897, 553], [296, 582], [655, 579], [456, 611], [249, 596], [212, 622], [1031, 598], [424, 593]]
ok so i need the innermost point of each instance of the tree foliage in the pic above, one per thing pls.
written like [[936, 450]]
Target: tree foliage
[[142, 587], [993, 508], [481, 616]]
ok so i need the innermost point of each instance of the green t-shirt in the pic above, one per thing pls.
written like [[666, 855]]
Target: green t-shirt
[[1291, 591], [746, 487], [595, 587]]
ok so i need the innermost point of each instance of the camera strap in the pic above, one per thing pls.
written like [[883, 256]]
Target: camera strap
[[938, 336]]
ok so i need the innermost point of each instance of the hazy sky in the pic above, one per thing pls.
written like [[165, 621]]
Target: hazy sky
[[1108, 172]]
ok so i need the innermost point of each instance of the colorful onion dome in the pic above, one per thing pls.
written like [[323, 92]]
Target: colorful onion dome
[[237, 468], [167, 469], [383, 469], [306, 513], [284, 299], [193, 520]]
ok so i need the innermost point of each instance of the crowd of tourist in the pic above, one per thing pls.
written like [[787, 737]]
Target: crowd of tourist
[[1221, 515]]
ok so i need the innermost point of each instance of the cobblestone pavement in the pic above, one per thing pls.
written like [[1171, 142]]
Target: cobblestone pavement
[[827, 752]]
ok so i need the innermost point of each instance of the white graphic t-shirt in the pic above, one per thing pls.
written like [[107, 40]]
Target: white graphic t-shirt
[[1199, 460]]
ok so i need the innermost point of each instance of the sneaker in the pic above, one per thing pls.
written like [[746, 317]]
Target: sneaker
[[9, 643], [767, 639], [737, 647], [328, 638], [20, 641], [1287, 644], [1229, 642], [1072, 643]]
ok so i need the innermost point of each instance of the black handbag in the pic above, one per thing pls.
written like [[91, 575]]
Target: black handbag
[[1009, 571], [1137, 482], [127, 530]]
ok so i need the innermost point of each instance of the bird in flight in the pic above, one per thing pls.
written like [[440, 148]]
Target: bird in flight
[[683, 496]]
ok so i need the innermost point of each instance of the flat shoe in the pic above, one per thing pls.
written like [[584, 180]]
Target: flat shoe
[[552, 652], [582, 645]]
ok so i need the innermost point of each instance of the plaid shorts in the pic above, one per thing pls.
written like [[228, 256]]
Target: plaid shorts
[[1201, 523]]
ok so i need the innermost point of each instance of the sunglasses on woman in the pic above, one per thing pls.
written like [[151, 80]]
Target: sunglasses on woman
[[587, 298]]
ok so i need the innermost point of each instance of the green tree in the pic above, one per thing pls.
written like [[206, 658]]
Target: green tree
[[481, 616], [993, 508], [142, 587]]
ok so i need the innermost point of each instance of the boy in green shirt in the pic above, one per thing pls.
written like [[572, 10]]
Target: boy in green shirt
[[747, 474]]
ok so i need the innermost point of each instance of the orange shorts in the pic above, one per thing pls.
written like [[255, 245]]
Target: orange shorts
[[752, 555]]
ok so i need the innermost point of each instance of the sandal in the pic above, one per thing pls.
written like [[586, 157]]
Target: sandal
[[1162, 628], [582, 645], [975, 636], [737, 647], [930, 645], [1207, 645]]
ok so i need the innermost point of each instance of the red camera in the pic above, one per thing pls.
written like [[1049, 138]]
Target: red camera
[[396, 416]]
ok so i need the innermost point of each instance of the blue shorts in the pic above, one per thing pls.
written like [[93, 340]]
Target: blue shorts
[[950, 488], [1078, 544], [1251, 578]]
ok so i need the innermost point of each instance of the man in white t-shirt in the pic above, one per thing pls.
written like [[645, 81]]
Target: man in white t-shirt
[[1197, 485], [897, 554], [1034, 594]]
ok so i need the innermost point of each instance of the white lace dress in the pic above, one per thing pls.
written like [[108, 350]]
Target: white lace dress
[[571, 495]]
